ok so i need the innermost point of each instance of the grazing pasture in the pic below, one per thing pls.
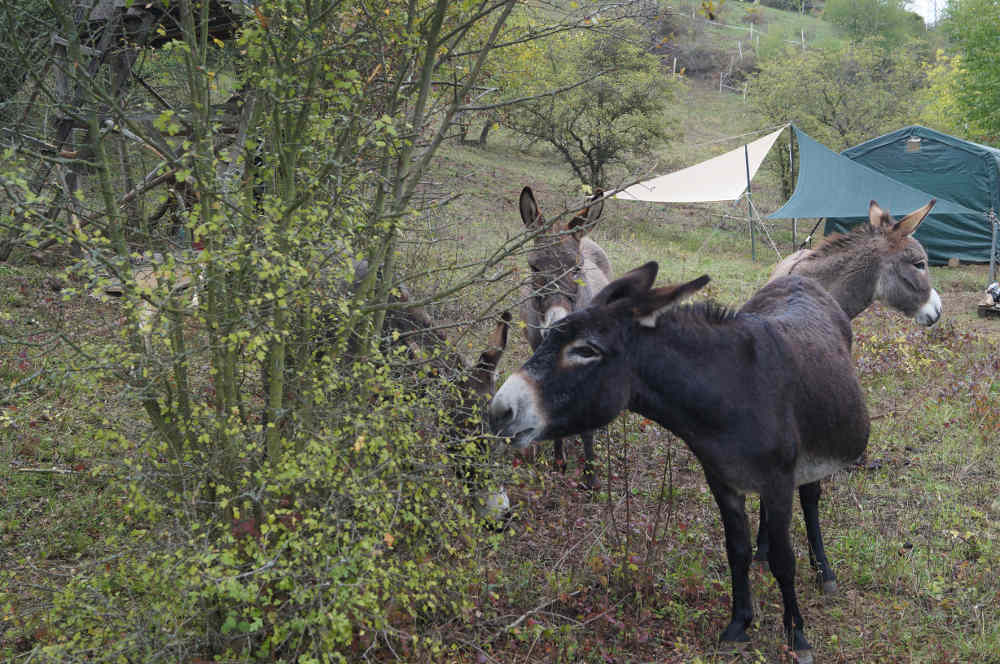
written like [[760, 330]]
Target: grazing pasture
[[635, 572]]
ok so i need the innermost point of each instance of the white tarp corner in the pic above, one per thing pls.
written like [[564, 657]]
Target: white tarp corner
[[722, 178]]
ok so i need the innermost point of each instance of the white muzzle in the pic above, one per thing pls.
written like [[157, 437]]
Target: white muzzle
[[931, 311]]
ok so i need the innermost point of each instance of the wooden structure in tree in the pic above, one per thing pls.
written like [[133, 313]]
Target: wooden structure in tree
[[149, 24], [110, 35]]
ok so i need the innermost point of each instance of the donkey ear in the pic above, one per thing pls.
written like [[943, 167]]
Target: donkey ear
[[529, 209], [909, 223], [630, 285], [661, 299], [587, 215], [878, 217], [489, 359]]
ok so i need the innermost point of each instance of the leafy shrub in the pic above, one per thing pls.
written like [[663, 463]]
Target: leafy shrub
[[292, 494], [362, 533], [711, 9]]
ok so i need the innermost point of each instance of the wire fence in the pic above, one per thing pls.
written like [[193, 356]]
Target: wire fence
[[748, 42]]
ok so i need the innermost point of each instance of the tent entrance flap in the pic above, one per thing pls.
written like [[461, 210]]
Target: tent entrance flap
[[831, 185], [722, 178]]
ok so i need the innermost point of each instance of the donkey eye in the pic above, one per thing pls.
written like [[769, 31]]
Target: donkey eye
[[920, 265], [585, 352]]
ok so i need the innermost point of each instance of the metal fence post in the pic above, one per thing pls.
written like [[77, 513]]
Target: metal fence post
[[994, 223]]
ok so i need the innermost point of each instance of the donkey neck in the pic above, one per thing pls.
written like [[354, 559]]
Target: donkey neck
[[684, 371], [849, 271]]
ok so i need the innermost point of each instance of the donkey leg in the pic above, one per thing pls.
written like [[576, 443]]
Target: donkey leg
[[737, 529], [781, 560], [590, 480], [558, 455], [809, 495], [763, 545]]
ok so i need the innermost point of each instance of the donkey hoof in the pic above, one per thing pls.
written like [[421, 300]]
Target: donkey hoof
[[830, 587], [735, 636], [804, 656], [589, 484], [800, 647]]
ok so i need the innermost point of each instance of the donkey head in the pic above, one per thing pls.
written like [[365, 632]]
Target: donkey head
[[903, 280], [579, 377], [556, 259]]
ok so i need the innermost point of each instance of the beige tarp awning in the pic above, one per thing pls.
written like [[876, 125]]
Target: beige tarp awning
[[722, 178]]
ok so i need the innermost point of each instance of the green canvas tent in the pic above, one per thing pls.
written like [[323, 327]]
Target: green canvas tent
[[946, 167], [831, 185]]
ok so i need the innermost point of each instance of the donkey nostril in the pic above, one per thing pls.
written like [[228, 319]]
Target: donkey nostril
[[500, 416]]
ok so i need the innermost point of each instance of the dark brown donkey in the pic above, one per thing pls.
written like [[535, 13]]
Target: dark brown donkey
[[765, 397], [877, 261], [412, 331], [474, 384], [567, 270]]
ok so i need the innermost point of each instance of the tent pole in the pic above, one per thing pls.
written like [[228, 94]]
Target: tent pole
[[993, 248], [753, 248], [791, 165]]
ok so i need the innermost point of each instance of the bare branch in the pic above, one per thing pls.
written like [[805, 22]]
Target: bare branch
[[543, 95]]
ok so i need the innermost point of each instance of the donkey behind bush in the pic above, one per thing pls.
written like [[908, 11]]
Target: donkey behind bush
[[567, 270]]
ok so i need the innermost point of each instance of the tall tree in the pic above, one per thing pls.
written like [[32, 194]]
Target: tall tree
[[23, 43], [595, 96], [974, 28], [939, 103], [885, 19], [841, 95]]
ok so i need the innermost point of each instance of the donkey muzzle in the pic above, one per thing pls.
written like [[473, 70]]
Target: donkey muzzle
[[931, 311], [513, 413]]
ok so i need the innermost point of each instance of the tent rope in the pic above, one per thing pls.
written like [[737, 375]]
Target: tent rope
[[723, 139], [760, 222]]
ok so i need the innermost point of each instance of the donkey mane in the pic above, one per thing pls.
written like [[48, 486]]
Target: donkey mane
[[706, 312], [837, 242]]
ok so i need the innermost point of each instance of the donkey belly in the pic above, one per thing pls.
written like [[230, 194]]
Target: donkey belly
[[812, 468], [837, 442]]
